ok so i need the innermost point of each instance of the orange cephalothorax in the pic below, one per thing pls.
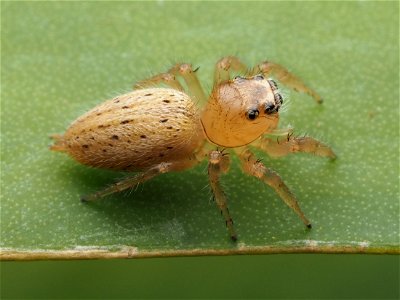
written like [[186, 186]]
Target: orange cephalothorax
[[240, 110]]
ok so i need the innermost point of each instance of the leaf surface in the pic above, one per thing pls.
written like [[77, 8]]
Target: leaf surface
[[59, 59]]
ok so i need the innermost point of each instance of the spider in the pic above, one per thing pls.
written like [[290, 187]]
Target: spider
[[154, 130]]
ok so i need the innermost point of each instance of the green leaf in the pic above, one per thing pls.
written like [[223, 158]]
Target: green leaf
[[59, 59]]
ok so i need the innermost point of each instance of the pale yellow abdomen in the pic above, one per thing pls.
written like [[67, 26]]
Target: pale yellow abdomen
[[135, 131]]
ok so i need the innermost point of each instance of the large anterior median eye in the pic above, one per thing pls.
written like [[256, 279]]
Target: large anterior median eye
[[252, 114]]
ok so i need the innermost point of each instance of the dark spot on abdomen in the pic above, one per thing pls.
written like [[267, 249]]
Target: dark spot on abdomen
[[127, 167]]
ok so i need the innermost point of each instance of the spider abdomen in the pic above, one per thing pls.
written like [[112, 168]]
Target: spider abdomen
[[135, 131]]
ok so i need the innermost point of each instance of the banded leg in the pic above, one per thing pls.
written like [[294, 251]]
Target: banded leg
[[290, 144], [256, 168], [219, 163], [283, 75], [129, 182], [225, 65]]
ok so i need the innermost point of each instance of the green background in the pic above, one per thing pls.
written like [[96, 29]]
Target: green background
[[60, 59], [230, 277]]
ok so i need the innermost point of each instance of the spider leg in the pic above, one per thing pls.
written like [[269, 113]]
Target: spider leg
[[129, 182], [219, 163], [268, 68], [225, 65], [292, 144], [170, 78], [256, 168], [281, 132], [189, 76], [163, 78]]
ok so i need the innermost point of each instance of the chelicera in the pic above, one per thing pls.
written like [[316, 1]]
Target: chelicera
[[154, 130]]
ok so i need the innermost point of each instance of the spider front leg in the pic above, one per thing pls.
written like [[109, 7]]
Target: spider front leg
[[219, 163], [256, 168], [268, 68], [290, 144]]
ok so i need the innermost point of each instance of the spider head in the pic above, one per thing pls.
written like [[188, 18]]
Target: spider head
[[240, 110]]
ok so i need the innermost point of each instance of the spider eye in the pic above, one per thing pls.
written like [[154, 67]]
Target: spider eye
[[271, 108], [273, 84], [239, 78], [252, 114], [259, 77], [278, 98]]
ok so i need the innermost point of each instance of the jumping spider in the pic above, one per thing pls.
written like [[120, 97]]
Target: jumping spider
[[157, 130]]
